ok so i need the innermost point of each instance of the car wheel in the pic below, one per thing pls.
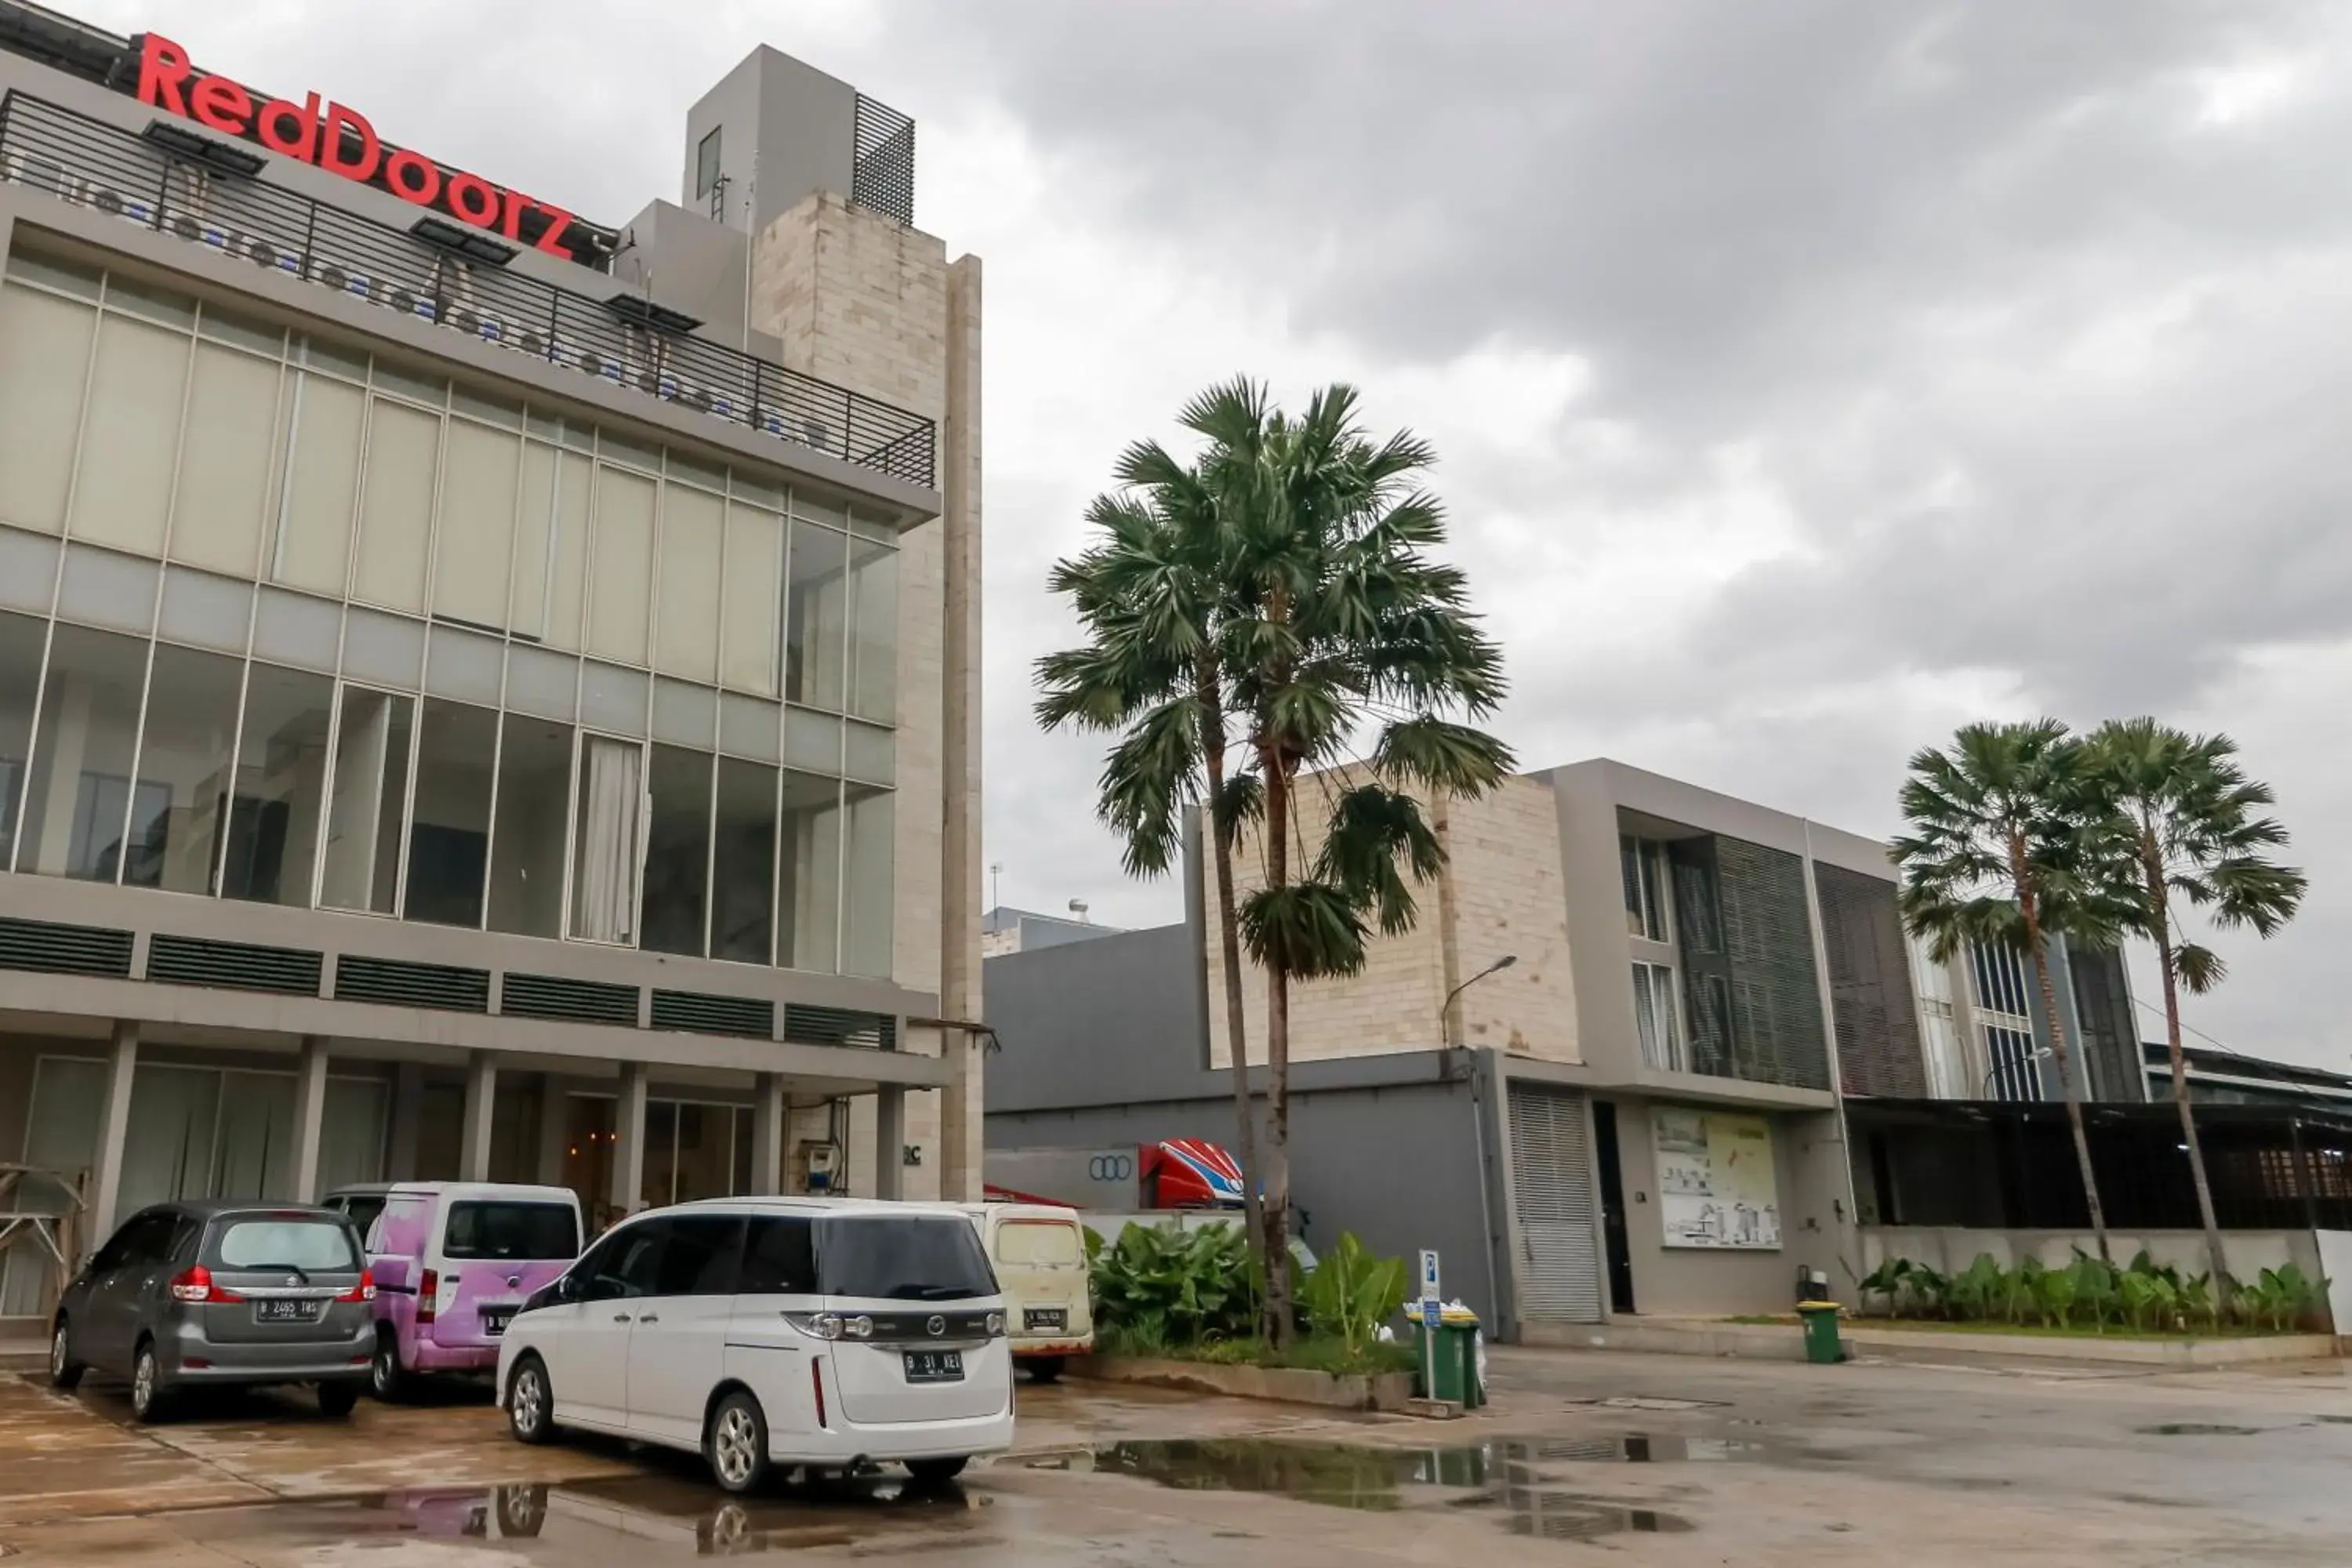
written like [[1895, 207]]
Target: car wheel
[[385, 1380], [1045, 1369], [935, 1472], [735, 1444], [64, 1371], [530, 1402], [336, 1399], [149, 1401]]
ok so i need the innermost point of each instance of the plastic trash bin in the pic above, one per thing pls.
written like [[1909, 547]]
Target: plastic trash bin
[[1823, 1346], [1456, 1373]]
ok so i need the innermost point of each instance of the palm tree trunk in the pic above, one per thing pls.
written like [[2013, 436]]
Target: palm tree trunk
[[2040, 949], [1229, 941], [2159, 906], [1277, 1071]]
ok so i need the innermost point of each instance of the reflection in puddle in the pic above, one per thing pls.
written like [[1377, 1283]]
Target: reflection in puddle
[[2196, 1429], [1502, 1473]]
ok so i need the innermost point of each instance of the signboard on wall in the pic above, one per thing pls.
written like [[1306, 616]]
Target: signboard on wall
[[1716, 1183]]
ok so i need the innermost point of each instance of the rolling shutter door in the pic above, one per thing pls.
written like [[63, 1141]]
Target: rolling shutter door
[[1559, 1262]]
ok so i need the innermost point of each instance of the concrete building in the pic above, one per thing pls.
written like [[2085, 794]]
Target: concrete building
[[1986, 1034], [1640, 1114], [481, 694], [1006, 930]]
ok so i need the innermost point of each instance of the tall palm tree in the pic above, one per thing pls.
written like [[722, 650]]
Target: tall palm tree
[[1154, 595], [1996, 852], [1349, 642], [2188, 822]]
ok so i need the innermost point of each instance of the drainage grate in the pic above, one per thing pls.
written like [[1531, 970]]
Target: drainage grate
[[53, 949], [578, 1001], [696, 1014], [405, 984], [807, 1026], [233, 966]]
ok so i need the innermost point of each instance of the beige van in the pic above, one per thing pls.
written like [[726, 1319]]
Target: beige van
[[1039, 1252]]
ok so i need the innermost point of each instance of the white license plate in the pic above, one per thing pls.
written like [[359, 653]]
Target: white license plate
[[286, 1311], [1046, 1318], [934, 1366]]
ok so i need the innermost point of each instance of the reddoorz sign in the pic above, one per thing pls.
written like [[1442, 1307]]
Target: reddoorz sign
[[341, 141]]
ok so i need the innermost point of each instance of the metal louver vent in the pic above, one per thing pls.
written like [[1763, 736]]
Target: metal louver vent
[[806, 1026], [404, 984], [1877, 1022], [882, 179], [577, 1001], [52, 949], [1560, 1272], [696, 1014], [233, 966]]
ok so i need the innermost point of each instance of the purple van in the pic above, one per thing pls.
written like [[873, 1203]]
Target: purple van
[[452, 1261]]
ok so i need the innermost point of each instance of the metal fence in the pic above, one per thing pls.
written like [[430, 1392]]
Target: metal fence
[[106, 169]]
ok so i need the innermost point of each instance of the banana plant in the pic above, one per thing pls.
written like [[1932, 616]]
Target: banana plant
[[1351, 1293]]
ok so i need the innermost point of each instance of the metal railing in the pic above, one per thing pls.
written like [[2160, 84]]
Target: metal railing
[[93, 164]]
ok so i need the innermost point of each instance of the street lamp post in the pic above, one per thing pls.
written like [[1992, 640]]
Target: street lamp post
[[2039, 1054], [1445, 1008]]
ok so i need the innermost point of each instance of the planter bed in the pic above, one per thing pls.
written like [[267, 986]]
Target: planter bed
[[1287, 1386]]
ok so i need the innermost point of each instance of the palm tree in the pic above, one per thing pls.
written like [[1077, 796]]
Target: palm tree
[[1999, 833], [1349, 642], [1154, 598], [2186, 822]]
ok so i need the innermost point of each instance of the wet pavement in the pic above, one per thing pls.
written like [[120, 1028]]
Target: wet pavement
[[1649, 1459]]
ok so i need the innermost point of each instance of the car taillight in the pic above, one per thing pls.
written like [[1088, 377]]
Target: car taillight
[[816, 1381], [428, 1290], [362, 1291], [196, 1285]]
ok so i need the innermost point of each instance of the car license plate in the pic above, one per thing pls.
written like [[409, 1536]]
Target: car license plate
[[934, 1366], [495, 1319], [286, 1311], [1044, 1318]]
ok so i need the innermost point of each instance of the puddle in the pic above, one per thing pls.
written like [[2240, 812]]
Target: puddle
[[2196, 1429], [1651, 1401], [1500, 1474]]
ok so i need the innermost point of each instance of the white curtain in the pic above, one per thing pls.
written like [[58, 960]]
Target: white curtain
[[605, 873]]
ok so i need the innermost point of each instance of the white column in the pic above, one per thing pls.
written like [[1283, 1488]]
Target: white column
[[113, 1135], [889, 1141], [770, 1112], [629, 1139], [554, 1129], [309, 1116], [481, 1093], [960, 1136]]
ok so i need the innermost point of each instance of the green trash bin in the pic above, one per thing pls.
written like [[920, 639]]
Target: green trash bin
[[1823, 1346], [1455, 1367]]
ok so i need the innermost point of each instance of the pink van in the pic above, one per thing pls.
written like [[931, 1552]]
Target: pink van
[[452, 1262]]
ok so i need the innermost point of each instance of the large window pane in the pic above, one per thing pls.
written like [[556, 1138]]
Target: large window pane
[[21, 638], [874, 630], [622, 572], [122, 493], [742, 915], [481, 473], [362, 860], [677, 852], [692, 536], [324, 421], [527, 850], [183, 771], [551, 560], [808, 891], [816, 612], [605, 842], [223, 497], [77, 803], [755, 543], [448, 844], [45, 344], [281, 780], [658, 1185], [865, 896], [396, 505]]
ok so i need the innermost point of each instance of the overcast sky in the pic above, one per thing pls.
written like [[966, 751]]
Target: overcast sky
[[1809, 378]]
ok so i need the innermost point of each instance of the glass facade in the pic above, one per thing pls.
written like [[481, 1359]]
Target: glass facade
[[420, 653]]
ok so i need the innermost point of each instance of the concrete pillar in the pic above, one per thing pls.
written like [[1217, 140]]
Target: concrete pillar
[[407, 1119], [959, 850], [481, 1095], [889, 1141], [554, 1129], [113, 1137], [629, 1139], [770, 1113], [309, 1116]]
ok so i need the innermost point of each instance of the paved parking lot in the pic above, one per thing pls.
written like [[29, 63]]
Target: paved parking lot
[[1650, 1459]]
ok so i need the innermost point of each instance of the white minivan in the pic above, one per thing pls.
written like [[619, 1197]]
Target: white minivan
[[819, 1333]]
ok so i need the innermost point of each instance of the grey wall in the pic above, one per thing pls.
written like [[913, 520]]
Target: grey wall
[[1096, 1023], [788, 129]]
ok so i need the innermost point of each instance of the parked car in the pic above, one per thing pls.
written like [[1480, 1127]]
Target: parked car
[[360, 1203], [188, 1294], [815, 1333], [453, 1262], [1039, 1254]]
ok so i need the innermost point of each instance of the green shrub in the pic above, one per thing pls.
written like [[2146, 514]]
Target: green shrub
[[2090, 1293], [1351, 1293], [1176, 1286]]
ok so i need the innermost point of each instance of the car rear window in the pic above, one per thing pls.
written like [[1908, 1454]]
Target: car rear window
[[1050, 1242], [512, 1230], [311, 1246], [887, 1258]]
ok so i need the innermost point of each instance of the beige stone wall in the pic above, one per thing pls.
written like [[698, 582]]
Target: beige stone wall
[[1506, 897]]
